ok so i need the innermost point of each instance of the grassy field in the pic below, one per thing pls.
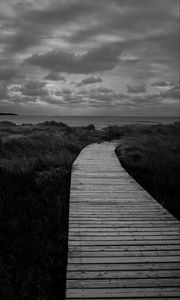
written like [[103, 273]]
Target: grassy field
[[35, 168]]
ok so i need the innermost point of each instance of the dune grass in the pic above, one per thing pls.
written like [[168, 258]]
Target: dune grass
[[35, 170], [151, 154]]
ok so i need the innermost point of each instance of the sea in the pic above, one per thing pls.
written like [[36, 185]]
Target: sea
[[98, 121]]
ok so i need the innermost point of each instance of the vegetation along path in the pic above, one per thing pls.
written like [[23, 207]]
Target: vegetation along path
[[122, 243]]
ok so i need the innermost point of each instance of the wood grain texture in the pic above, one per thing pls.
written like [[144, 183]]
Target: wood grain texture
[[122, 243]]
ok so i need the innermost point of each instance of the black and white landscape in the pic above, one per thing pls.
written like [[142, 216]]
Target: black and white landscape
[[89, 149]]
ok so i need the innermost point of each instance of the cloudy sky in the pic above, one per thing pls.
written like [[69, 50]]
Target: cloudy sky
[[89, 57]]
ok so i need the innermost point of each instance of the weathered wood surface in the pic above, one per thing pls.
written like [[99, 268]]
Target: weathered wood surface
[[122, 243]]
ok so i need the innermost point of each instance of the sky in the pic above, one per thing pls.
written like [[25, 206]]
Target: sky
[[89, 57]]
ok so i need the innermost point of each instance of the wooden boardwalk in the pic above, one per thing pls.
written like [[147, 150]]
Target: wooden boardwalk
[[122, 244]]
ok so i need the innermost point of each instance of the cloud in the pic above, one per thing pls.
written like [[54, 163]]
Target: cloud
[[7, 73], [129, 59], [132, 41], [32, 24], [136, 89], [94, 97], [104, 96], [89, 80], [60, 12], [3, 92], [165, 97], [162, 83], [66, 91], [69, 97], [173, 93], [23, 99], [55, 77], [31, 85], [22, 39], [122, 17], [53, 100], [36, 24], [102, 90], [34, 89], [100, 58], [145, 100]]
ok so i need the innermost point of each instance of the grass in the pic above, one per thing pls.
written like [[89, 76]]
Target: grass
[[35, 170], [151, 155]]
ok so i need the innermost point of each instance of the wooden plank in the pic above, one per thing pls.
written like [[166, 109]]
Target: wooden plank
[[111, 210], [127, 229], [125, 243], [123, 238], [123, 233], [121, 248], [122, 243], [124, 254], [118, 219], [124, 293], [116, 215], [121, 225], [122, 283], [127, 260], [123, 274], [123, 266]]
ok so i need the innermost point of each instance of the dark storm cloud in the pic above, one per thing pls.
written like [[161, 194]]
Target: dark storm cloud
[[60, 12], [123, 16], [89, 80], [22, 39], [7, 73], [31, 85], [136, 89], [31, 25], [55, 77], [100, 58], [139, 38], [34, 88]]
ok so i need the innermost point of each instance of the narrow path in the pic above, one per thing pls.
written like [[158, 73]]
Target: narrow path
[[122, 243]]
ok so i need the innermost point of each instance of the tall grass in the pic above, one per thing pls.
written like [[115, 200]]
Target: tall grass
[[151, 155], [33, 243], [35, 170]]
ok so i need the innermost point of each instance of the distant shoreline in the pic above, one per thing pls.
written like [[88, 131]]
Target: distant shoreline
[[8, 114], [98, 121]]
